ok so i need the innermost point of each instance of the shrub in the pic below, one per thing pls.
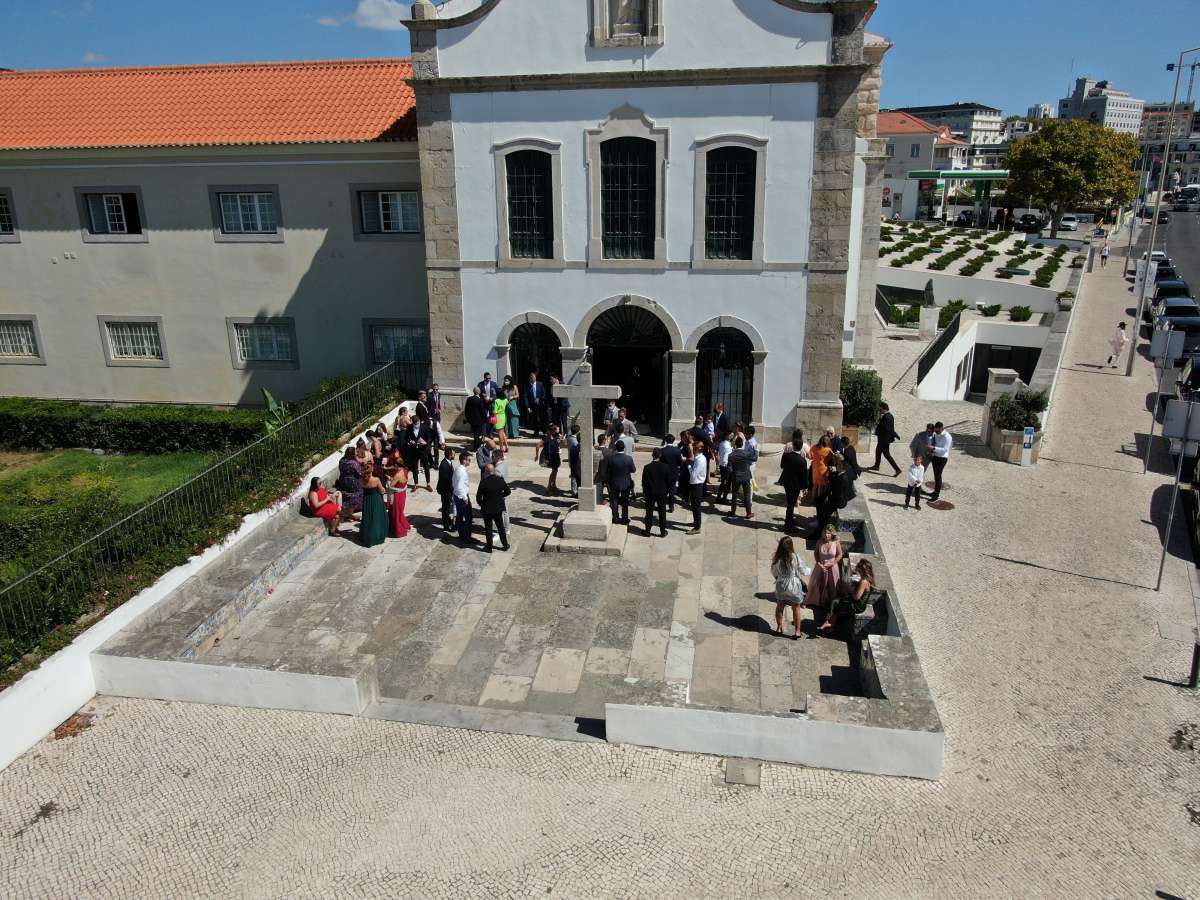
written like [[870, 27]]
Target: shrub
[[1016, 412], [1020, 313], [43, 424], [862, 390], [1003, 274], [1039, 246], [991, 310], [947, 313]]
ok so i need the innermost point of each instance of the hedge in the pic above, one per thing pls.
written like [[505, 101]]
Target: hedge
[[1019, 411], [45, 424], [861, 393]]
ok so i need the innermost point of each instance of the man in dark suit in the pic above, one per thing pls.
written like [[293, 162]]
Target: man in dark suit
[[559, 408], [620, 483], [475, 412], [490, 497], [422, 410], [885, 436], [421, 432], [534, 399], [445, 487], [673, 459], [794, 476], [657, 481], [488, 389], [721, 423], [434, 402]]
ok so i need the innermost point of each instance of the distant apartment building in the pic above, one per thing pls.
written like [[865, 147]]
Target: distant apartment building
[[973, 123], [1040, 111], [912, 144], [1102, 104], [1157, 122]]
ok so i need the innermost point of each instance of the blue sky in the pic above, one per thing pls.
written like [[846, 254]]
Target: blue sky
[[1007, 53]]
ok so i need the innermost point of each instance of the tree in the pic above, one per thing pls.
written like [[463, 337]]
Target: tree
[[1073, 162]]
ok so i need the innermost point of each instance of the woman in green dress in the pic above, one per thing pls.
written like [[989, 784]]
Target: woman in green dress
[[499, 417], [374, 527]]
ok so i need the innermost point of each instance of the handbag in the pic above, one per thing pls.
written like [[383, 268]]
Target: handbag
[[492, 420]]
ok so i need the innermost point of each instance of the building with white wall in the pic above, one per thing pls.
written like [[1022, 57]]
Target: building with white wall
[[975, 123], [912, 144], [676, 187], [1040, 111], [1100, 103]]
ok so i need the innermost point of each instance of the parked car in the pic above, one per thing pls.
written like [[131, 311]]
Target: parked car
[[1164, 217], [1171, 287], [1172, 308], [1030, 223], [1180, 206], [966, 219], [1068, 223], [1166, 272], [1188, 382]]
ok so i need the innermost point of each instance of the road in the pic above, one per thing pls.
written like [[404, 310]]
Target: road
[[1182, 243]]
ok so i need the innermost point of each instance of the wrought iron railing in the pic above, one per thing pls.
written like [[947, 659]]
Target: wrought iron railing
[[883, 306], [935, 350], [108, 567]]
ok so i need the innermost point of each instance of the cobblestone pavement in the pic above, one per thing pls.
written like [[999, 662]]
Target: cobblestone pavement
[[1069, 771]]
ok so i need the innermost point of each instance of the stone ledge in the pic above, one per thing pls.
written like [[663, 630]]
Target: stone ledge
[[614, 546]]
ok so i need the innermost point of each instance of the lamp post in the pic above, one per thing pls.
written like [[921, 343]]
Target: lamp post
[[1134, 218], [1163, 179]]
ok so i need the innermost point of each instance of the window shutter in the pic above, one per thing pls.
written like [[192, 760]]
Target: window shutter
[[133, 222], [368, 202], [410, 217], [98, 219]]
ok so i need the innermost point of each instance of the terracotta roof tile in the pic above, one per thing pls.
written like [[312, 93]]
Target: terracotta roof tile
[[334, 101], [903, 123]]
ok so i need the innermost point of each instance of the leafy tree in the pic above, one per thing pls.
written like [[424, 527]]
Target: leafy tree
[[1069, 163]]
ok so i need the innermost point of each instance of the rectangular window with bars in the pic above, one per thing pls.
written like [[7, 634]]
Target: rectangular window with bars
[[400, 343], [8, 222], [113, 213], [134, 340], [528, 175], [627, 197], [389, 212], [264, 342], [18, 339], [248, 212], [729, 203]]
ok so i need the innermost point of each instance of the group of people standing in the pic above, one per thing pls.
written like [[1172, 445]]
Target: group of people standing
[[499, 409], [929, 450], [831, 588]]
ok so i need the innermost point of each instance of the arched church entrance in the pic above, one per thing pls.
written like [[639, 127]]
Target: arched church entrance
[[534, 347], [725, 374], [631, 347]]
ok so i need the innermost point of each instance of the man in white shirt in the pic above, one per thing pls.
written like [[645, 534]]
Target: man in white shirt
[[940, 445], [724, 448], [462, 497], [697, 479]]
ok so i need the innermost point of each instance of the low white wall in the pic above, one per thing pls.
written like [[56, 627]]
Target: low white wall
[[954, 287], [36, 704], [787, 739], [938, 383]]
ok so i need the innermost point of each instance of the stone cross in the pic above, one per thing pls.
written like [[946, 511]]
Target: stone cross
[[582, 389]]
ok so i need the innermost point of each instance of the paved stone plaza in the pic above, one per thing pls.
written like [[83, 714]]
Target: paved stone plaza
[[1069, 770]]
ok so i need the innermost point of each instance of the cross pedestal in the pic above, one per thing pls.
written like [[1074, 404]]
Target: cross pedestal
[[587, 522]]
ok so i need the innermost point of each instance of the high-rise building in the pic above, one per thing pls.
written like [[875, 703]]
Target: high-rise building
[[1040, 111], [1157, 121], [1100, 103]]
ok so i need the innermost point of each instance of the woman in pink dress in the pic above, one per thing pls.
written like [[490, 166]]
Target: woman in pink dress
[[823, 583], [398, 489]]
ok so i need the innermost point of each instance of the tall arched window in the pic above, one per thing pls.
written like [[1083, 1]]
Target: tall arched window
[[529, 177], [627, 197], [729, 203]]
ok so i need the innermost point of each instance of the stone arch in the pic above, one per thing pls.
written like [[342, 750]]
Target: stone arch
[[650, 306], [693, 342], [533, 318]]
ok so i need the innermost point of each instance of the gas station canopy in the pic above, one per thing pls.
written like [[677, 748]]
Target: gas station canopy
[[961, 174]]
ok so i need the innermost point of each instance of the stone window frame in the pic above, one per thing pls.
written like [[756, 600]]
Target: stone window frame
[[231, 323], [356, 192], [602, 36], [627, 121], [500, 152], [370, 324], [220, 236], [122, 362], [703, 147], [15, 237], [39, 359], [81, 195]]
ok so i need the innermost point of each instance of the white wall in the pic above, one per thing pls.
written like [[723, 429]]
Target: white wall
[[938, 384], [521, 37], [856, 223]]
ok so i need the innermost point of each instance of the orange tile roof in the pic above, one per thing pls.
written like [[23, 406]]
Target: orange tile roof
[[903, 123], [353, 100]]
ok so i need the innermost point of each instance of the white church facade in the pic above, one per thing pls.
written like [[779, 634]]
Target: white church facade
[[675, 187]]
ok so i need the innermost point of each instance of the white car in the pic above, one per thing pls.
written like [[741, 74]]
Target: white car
[[1068, 223]]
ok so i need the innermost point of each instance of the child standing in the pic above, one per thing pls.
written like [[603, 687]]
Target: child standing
[[916, 478]]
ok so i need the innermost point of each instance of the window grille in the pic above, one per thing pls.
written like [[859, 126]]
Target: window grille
[[264, 342], [248, 213], [389, 212], [729, 203], [400, 343], [530, 204], [627, 195], [134, 340], [7, 225], [17, 338], [113, 214]]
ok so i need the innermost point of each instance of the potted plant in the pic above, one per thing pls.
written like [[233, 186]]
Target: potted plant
[[1009, 416], [861, 393]]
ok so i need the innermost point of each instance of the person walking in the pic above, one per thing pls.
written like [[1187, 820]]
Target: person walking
[[475, 412], [789, 574], [461, 487], [916, 479], [445, 487], [740, 478], [885, 436], [1104, 257], [697, 462], [656, 488], [1117, 343], [793, 476], [621, 469], [549, 454], [940, 455], [490, 497]]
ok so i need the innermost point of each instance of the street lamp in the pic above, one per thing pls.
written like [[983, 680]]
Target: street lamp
[[1163, 179]]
